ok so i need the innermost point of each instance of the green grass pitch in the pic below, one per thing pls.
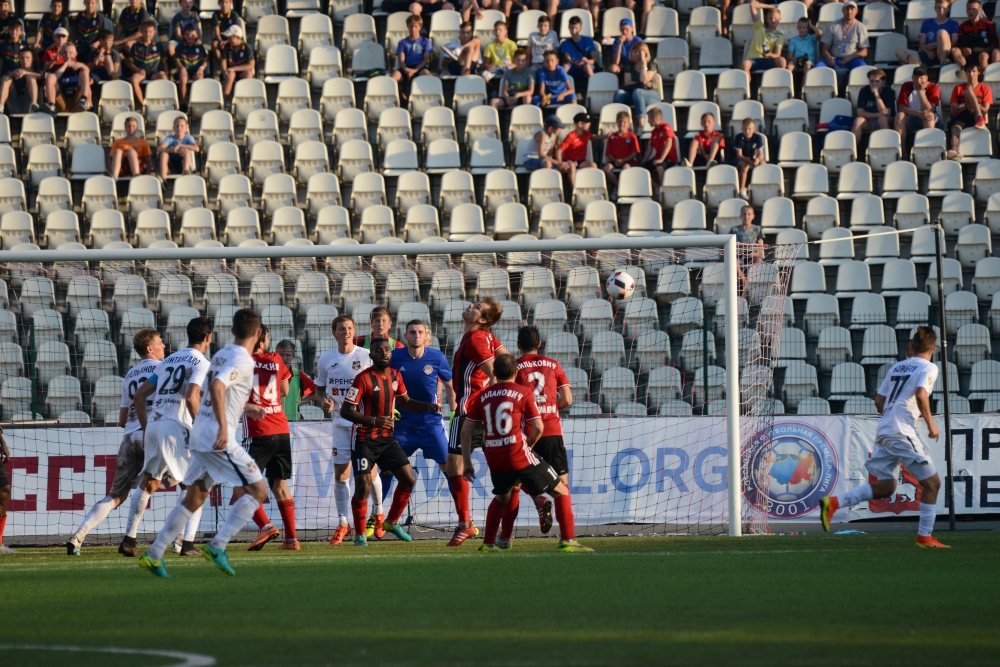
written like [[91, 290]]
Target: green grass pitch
[[781, 600]]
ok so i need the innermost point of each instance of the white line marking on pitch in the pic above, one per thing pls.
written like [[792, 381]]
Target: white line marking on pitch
[[189, 659]]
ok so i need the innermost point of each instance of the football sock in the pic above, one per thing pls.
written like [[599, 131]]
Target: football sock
[[342, 494], [359, 507], [172, 527], [287, 509], [260, 517], [460, 491], [564, 515], [927, 516], [96, 515], [400, 499], [3, 524], [510, 511], [237, 520], [858, 494], [376, 494], [386, 478], [140, 499], [493, 515], [191, 527]]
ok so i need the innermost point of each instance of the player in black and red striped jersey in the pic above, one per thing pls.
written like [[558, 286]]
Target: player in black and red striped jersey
[[369, 404], [512, 427]]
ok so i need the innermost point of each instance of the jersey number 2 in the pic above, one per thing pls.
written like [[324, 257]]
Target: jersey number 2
[[539, 381]]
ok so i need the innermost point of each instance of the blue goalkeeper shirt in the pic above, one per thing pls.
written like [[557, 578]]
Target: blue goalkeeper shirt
[[421, 378]]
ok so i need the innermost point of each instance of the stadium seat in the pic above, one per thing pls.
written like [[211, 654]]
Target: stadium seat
[[951, 277], [898, 277], [822, 213], [839, 149]]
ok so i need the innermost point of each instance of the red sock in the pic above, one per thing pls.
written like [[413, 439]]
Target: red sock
[[564, 515], [360, 510], [460, 492], [287, 509], [3, 524], [260, 517], [510, 511], [493, 515], [400, 499]]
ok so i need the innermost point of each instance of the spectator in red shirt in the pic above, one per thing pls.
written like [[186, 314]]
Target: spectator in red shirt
[[977, 38], [918, 106], [51, 54], [573, 150], [706, 145], [662, 150], [969, 103], [621, 150]]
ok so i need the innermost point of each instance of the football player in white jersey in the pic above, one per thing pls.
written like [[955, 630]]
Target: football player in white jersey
[[216, 455], [175, 390], [150, 348], [335, 373], [903, 398]]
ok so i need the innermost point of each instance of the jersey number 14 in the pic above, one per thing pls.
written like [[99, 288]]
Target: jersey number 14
[[270, 393]]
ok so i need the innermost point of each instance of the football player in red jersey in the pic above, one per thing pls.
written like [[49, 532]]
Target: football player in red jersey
[[513, 426], [472, 371], [546, 378], [369, 404]]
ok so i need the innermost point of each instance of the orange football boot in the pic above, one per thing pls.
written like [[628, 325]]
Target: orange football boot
[[462, 534], [930, 542], [339, 535]]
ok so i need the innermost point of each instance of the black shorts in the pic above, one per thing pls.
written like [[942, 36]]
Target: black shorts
[[535, 479], [454, 439], [552, 450], [384, 453], [963, 120], [273, 455], [3, 477]]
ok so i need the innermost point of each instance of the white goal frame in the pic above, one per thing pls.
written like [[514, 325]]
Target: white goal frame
[[725, 241]]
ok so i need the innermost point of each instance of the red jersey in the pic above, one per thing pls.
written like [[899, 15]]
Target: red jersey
[[269, 371], [977, 35], [981, 91], [365, 342], [51, 56], [504, 408], [620, 146], [375, 396], [574, 146], [705, 140], [909, 98], [545, 376], [658, 140], [477, 347]]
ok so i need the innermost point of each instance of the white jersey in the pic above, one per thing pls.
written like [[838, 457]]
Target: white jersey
[[900, 413], [135, 378], [336, 372], [173, 377], [233, 365]]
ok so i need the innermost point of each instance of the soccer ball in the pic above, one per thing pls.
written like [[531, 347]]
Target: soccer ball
[[620, 285]]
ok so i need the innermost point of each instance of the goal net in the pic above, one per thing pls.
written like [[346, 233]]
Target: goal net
[[647, 435]]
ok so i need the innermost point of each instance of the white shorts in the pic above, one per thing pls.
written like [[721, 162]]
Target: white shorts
[[891, 450], [166, 445], [233, 466], [342, 442]]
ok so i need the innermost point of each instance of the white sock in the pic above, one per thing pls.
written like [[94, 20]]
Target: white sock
[[171, 529], [376, 494], [96, 515], [927, 516], [191, 527], [239, 514], [140, 500], [342, 494], [858, 494]]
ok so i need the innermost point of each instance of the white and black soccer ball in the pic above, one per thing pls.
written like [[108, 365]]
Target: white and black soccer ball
[[620, 285]]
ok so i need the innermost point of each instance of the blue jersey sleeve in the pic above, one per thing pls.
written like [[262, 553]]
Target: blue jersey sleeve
[[443, 368]]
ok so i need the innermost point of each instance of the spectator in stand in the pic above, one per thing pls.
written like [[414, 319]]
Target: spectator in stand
[[464, 56], [59, 39], [803, 48], [918, 106], [130, 21], [640, 83], [621, 149], [8, 21], [572, 152], [498, 56], [662, 151], [876, 105], [477, 6], [223, 19], [706, 145], [555, 86], [104, 61], [423, 9], [936, 38], [970, 102], [764, 50], [67, 82], [553, 7], [976, 39], [130, 155], [542, 155], [579, 52], [177, 150], [413, 55], [24, 81], [10, 49], [751, 234], [192, 60], [47, 26], [621, 61], [542, 41], [238, 60], [748, 152], [86, 25], [301, 388], [145, 60], [517, 85], [181, 21], [844, 44]]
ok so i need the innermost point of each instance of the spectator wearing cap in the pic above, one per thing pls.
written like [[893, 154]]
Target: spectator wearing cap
[[876, 105], [970, 102], [542, 154], [764, 50], [47, 26], [844, 43], [918, 105], [579, 52], [621, 50], [555, 85], [572, 152], [936, 37], [238, 60], [59, 39], [413, 54]]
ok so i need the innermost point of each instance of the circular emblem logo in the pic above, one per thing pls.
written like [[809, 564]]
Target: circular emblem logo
[[803, 469], [428, 369], [395, 385]]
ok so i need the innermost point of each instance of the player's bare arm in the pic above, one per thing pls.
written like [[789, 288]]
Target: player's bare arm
[[449, 392], [122, 417], [487, 367], [534, 429], [141, 394], [879, 403], [348, 412], [565, 398], [412, 405], [254, 412], [4, 452], [217, 390], [466, 439], [924, 405], [193, 399]]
